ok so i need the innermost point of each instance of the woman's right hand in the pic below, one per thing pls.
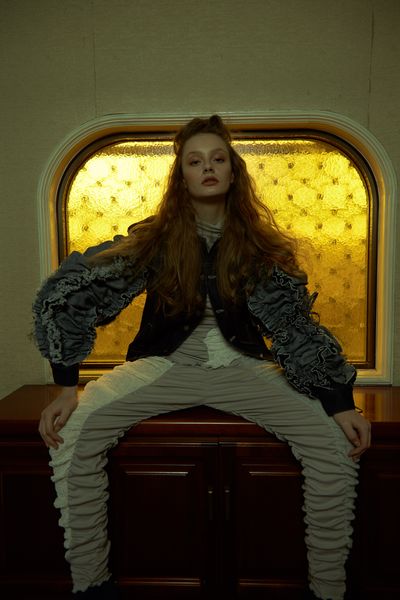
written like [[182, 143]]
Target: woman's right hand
[[56, 414]]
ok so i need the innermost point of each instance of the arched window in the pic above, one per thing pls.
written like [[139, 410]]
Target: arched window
[[318, 188], [319, 185]]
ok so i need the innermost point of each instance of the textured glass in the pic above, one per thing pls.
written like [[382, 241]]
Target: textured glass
[[317, 195], [313, 189], [119, 185]]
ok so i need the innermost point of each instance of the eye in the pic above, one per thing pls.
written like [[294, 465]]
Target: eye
[[220, 159], [194, 162]]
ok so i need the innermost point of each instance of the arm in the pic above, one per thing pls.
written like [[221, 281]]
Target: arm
[[73, 302], [309, 354]]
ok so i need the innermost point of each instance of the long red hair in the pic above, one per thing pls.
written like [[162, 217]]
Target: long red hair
[[169, 246]]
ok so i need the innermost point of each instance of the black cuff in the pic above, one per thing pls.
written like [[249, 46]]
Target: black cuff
[[65, 376], [336, 399]]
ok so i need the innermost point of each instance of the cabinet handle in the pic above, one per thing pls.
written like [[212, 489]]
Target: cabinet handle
[[210, 503], [227, 496]]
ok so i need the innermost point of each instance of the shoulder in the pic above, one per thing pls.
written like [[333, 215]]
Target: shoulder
[[276, 276]]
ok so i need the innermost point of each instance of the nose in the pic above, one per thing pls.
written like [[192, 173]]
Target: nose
[[207, 168]]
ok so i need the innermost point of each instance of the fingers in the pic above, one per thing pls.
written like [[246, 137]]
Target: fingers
[[49, 431], [55, 416], [357, 429], [361, 440]]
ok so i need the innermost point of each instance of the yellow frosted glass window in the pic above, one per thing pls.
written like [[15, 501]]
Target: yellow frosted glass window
[[315, 189]]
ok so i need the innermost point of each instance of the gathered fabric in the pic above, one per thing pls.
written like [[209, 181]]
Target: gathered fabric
[[78, 298], [217, 359], [255, 390]]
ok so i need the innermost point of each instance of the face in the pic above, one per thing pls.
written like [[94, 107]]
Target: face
[[206, 166]]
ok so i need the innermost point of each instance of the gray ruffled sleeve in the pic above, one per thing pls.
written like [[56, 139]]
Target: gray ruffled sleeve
[[310, 355], [77, 298]]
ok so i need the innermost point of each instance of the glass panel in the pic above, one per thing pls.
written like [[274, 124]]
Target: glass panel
[[314, 190], [119, 185], [318, 196]]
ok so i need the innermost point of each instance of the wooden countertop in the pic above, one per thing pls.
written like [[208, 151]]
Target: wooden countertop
[[20, 412]]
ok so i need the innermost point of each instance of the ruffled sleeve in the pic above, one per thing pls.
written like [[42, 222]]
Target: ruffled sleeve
[[310, 355], [74, 300]]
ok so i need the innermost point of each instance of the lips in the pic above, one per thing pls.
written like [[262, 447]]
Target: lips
[[210, 181]]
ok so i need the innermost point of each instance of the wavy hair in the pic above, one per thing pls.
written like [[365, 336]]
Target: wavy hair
[[168, 244]]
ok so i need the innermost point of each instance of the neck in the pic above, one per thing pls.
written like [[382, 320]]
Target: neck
[[210, 210]]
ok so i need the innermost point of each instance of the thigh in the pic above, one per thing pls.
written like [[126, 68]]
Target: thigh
[[130, 393], [259, 392]]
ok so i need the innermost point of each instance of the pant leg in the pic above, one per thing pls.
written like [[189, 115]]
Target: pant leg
[[260, 393], [136, 391], [107, 408]]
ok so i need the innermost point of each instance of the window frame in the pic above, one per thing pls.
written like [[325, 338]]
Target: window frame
[[356, 158], [352, 135]]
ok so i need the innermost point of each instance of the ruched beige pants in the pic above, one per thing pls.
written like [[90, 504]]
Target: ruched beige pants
[[254, 389]]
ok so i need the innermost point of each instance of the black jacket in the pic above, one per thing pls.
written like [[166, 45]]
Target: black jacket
[[79, 297], [160, 335]]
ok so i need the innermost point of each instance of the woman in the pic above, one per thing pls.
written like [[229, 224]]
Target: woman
[[219, 276]]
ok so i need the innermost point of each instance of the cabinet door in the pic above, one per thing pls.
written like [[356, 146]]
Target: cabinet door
[[264, 530], [162, 514], [32, 561], [375, 562]]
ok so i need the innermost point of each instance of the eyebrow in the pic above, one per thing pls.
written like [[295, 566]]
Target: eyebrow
[[213, 150]]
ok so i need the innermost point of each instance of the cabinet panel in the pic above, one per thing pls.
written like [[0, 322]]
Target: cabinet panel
[[31, 541], [161, 514], [375, 564], [265, 521]]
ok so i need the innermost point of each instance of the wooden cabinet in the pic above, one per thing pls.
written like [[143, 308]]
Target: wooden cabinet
[[162, 516], [265, 529], [375, 561], [207, 518], [203, 505], [31, 543]]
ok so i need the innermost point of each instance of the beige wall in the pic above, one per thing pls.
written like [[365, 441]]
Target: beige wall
[[67, 61]]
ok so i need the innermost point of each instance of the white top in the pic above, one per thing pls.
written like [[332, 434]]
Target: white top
[[206, 345]]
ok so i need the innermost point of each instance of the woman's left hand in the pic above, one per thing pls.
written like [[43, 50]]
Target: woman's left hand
[[357, 429]]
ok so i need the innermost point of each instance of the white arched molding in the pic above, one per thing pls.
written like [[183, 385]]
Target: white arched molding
[[341, 126]]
